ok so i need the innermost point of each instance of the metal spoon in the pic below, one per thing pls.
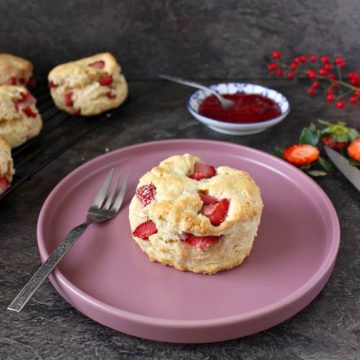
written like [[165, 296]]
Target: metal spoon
[[225, 103]]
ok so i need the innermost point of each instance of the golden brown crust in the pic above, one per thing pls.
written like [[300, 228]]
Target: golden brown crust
[[16, 127], [14, 67], [6, 164], [88, 95], [176, 211]]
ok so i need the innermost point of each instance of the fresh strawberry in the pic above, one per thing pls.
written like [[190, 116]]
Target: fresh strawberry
[[216, 212], [146, 194], [354, 149], [28, 111], [98, 64], [4, 184], [106, 80], [301, 154], [68, 100], [199, 242], [11, 81], [145, 230], [336, 145], [203, 171], [207, 199]]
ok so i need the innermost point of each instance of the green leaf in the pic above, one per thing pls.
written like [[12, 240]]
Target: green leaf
[[326, 165], [305, 167], [323, 122], [339, 132], [317, 173], [340, 137], [353, 134], [354, 163], [310, 135], [278, 151]]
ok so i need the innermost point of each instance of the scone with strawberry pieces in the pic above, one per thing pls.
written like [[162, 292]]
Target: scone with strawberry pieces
[[15, 70], [19, 118], [6, 166], [88, 86], [195, 217]]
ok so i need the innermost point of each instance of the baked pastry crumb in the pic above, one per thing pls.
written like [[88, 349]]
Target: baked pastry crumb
[[88, 86], [6, 166], [15, 70], [195, 217], [19, 118]]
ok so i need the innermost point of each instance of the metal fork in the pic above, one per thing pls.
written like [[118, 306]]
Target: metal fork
[[104, 208]]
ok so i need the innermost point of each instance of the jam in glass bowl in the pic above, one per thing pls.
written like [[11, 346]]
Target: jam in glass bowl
[[255, 108]]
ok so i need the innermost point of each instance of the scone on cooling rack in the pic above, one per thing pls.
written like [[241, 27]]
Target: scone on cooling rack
[[6, 166], [191, 216], [88, 86], [15, 70], [19, 117]]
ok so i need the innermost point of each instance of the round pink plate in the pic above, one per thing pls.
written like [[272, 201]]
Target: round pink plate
[[107, 277]]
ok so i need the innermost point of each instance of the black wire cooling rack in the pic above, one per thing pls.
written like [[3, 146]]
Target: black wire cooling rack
[[60, 132]]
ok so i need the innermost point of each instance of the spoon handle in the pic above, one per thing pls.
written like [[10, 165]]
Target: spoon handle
[[186, 82], [225, 103]]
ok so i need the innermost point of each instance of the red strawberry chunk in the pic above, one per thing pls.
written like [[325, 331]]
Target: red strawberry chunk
[[11, 81], [31, 82], [199, 242], [146, 194], [52, 85], [98, 64], [111, 95], [28, 111], [4, 184], [145, 230], [27, 97], [106, 80], [207, 199], [216, 212], [68, 101], [203, 171]]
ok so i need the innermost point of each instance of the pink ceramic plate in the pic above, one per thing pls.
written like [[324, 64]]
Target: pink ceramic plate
[[107, 278]]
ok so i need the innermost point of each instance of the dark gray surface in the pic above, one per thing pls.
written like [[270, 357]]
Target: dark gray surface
[[206, 39], [49, 328]]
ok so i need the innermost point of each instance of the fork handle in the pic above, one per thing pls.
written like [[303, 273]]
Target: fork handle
[[47, 267]]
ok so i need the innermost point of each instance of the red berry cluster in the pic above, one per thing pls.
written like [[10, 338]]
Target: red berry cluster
[[319, 71]]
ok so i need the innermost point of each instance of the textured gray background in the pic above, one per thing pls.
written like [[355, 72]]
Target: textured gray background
[[196, 39], [49, 328]]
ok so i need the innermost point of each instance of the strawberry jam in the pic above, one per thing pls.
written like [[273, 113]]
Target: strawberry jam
[[247, 108]]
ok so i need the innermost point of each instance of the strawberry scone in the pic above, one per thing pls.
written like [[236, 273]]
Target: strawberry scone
[[6, 166], [191, 216], [15, 70], [88, 86], [19, 118]]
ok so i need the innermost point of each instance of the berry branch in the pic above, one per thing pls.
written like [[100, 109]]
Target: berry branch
[[321, 71]]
